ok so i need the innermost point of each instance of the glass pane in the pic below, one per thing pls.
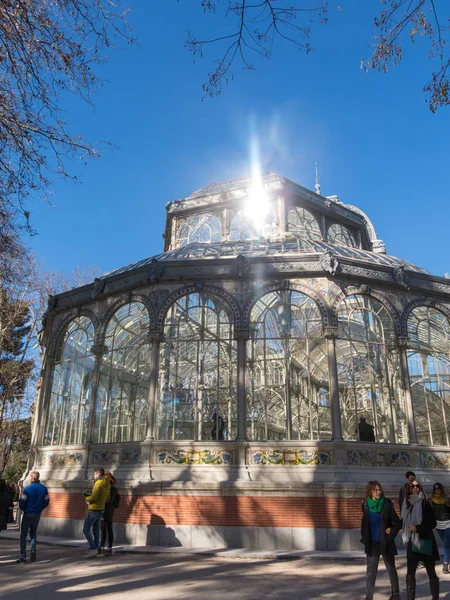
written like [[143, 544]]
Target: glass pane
[[198, 362], [429, 373], [372, 405], [287, 370], [72, 385], [200, 228], [341, 236], [122, 397], [304, 224]]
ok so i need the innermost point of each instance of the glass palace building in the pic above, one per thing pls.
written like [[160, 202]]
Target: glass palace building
[[225, 380]]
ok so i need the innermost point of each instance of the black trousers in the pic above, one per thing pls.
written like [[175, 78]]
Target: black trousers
[[372, 569], [412, 560], [107, 531]]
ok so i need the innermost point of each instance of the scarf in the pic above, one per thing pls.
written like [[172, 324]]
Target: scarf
[[412, 515], [376, 504], [438, 499]]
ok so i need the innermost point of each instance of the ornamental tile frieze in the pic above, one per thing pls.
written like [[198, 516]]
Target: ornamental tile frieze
[[378, 458], [194, 457], [106, 458], [296, 457], [435, 460], [60, 459]]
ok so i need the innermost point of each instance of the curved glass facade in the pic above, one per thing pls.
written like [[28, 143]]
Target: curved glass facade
[[429, 373], [303, 223], [287, 371], [368, 373], [122, 395], [71, 391], [197, 372]]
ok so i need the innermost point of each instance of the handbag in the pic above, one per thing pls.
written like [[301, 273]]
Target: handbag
[[426, 547]]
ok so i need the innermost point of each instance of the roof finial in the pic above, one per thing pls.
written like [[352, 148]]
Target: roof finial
[[317, 186]]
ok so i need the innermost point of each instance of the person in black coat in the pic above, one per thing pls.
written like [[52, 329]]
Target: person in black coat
[[108, 516], [417, 533], [379, 526], [6, 503]]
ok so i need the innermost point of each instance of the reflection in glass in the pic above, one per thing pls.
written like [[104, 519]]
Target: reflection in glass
[[197, 371], [341, 236], [287, 370], [200, 228], [429, 373], [304, 224], [72, 385], [122, 396], [368, 371]]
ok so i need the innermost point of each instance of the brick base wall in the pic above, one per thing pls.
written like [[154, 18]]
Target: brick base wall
[[228, 511]]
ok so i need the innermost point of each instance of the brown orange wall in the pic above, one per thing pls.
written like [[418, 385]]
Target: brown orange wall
[[230, 511]]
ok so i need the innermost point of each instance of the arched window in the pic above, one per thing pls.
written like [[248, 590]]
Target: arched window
[[198, 363], [429, 373], [72, 385], [368, 373], [304, 224], [341, 236], [242, 227], [200, 228], [122, 397], [287, 370]]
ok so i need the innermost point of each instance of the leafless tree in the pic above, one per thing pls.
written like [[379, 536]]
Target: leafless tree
[[47, 48], [255, 26]]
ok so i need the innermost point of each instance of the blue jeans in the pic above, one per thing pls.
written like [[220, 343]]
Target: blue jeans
[[445, 537], [92, 522], [29, 523]]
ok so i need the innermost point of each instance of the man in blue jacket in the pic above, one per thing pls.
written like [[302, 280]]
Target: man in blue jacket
[[33, 501]]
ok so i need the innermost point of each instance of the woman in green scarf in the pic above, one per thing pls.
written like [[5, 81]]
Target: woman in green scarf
[[379, 526]]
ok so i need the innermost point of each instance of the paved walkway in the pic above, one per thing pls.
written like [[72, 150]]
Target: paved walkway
[[61, 572]]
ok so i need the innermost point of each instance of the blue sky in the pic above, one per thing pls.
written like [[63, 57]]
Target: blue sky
[[377, 144]]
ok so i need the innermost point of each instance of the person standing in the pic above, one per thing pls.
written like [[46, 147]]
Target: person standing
[[379, 526], [365, 431], [96, 501], [441, 506], [417, 534], [6, 504], [409, 478], [108, 517], [33, 501]]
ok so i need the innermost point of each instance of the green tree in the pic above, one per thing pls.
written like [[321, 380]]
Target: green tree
[[15, 440]]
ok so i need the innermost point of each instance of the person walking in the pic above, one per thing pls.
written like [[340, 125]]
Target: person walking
[[441, 506], [417, 534], [108, 517], [33, 501], [96, 501], [6, 504], [379, 526]]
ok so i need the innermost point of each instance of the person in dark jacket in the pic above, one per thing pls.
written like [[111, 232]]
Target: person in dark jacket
[[441, 507], [365, 430], [379, 526], [409, 478], [6, 504], [33, 501], [108, 516], [417, 534]]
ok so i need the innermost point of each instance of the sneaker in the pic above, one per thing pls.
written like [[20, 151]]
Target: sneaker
[[33, 556], [90, 554], [445, 568], [21, 560], [108, 552], [101, 551]]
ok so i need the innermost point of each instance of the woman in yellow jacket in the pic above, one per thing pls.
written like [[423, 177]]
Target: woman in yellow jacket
[[96, 501]]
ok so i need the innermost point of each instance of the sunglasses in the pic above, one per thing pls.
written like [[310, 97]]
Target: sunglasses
[[413, 485]]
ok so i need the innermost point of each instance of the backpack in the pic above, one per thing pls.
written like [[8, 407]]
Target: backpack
[[116, 501]]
